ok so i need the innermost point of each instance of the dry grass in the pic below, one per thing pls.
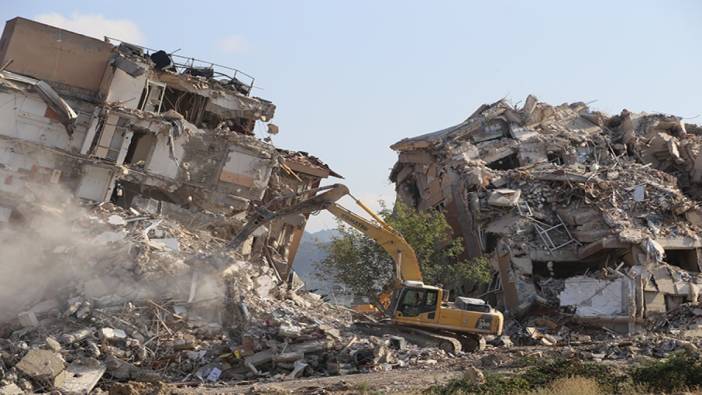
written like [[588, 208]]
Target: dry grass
[[570, 386]]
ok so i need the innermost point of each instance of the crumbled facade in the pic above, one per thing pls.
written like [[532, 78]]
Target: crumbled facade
[[113, 121], [593, 214]]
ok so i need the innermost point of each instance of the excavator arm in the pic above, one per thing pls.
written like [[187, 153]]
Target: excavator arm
[[406, 263]]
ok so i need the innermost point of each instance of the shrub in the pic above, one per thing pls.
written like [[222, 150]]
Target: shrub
[[680, 371]]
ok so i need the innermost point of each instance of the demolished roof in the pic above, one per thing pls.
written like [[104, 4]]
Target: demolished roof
[[306, 163]]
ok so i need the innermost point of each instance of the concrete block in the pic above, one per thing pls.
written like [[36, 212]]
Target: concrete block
[[28, 319], [146, 205], [11, 389], [655, 303], [695, 332], [504, 197], [43, 365], [53, 344], [112, 334]]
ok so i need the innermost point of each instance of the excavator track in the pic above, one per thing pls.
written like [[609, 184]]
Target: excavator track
[[415, 335]]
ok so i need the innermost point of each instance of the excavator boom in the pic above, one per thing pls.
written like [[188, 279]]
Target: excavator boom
[[406, 263]]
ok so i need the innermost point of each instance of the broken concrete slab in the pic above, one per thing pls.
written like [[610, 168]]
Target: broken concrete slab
[[11, 389], [504, 197], [126, 371], [43, 365], [593, 298], [82, 376]]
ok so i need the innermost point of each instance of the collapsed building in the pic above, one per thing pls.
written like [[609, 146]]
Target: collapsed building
[[597, 215], [124, 173], [113, 121]]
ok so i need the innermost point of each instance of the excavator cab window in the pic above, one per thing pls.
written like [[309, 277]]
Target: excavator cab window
[[417, 301]]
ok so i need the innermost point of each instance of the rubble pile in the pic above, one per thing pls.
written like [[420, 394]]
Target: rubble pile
[[144, 129], [686, 320], [148, 299], [596, 215], [117, 203]]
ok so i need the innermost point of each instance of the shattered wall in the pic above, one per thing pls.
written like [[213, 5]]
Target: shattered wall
[[298, 172], [559, 195], [54, 55], [135, 126]]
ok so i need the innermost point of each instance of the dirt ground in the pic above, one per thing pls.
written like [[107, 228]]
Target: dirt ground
[[401, 381], [414, 380]]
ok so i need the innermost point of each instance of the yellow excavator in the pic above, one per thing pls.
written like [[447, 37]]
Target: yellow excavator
[[419, 312]]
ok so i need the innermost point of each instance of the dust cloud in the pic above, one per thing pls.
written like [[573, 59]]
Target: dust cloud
[[54, 249]]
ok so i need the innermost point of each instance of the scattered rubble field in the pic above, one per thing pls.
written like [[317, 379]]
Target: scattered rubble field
[[398, 381], [119, 200]]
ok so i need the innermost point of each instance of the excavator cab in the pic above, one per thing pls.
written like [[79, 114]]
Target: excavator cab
[[417, 301]]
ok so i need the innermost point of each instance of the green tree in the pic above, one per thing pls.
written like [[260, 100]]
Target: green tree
[[364, 268]]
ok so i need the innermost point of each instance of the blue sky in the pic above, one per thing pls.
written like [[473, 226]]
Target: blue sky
[[351, 78]]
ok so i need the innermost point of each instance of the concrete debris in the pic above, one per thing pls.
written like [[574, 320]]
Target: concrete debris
[[82, 376], [200, 314], [593, 216], [43, 366], [136, 169], [591, 297], [53, 344], [11, 389], [112, 335], [504, 197], [172, 141], [298, 367], [116, 220], [587, 218]]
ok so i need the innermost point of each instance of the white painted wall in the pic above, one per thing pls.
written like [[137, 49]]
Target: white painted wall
[[16, 162], [246, 164], [95, 184], [22, 116], [161, 162], [125, 89], [593, 297]]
